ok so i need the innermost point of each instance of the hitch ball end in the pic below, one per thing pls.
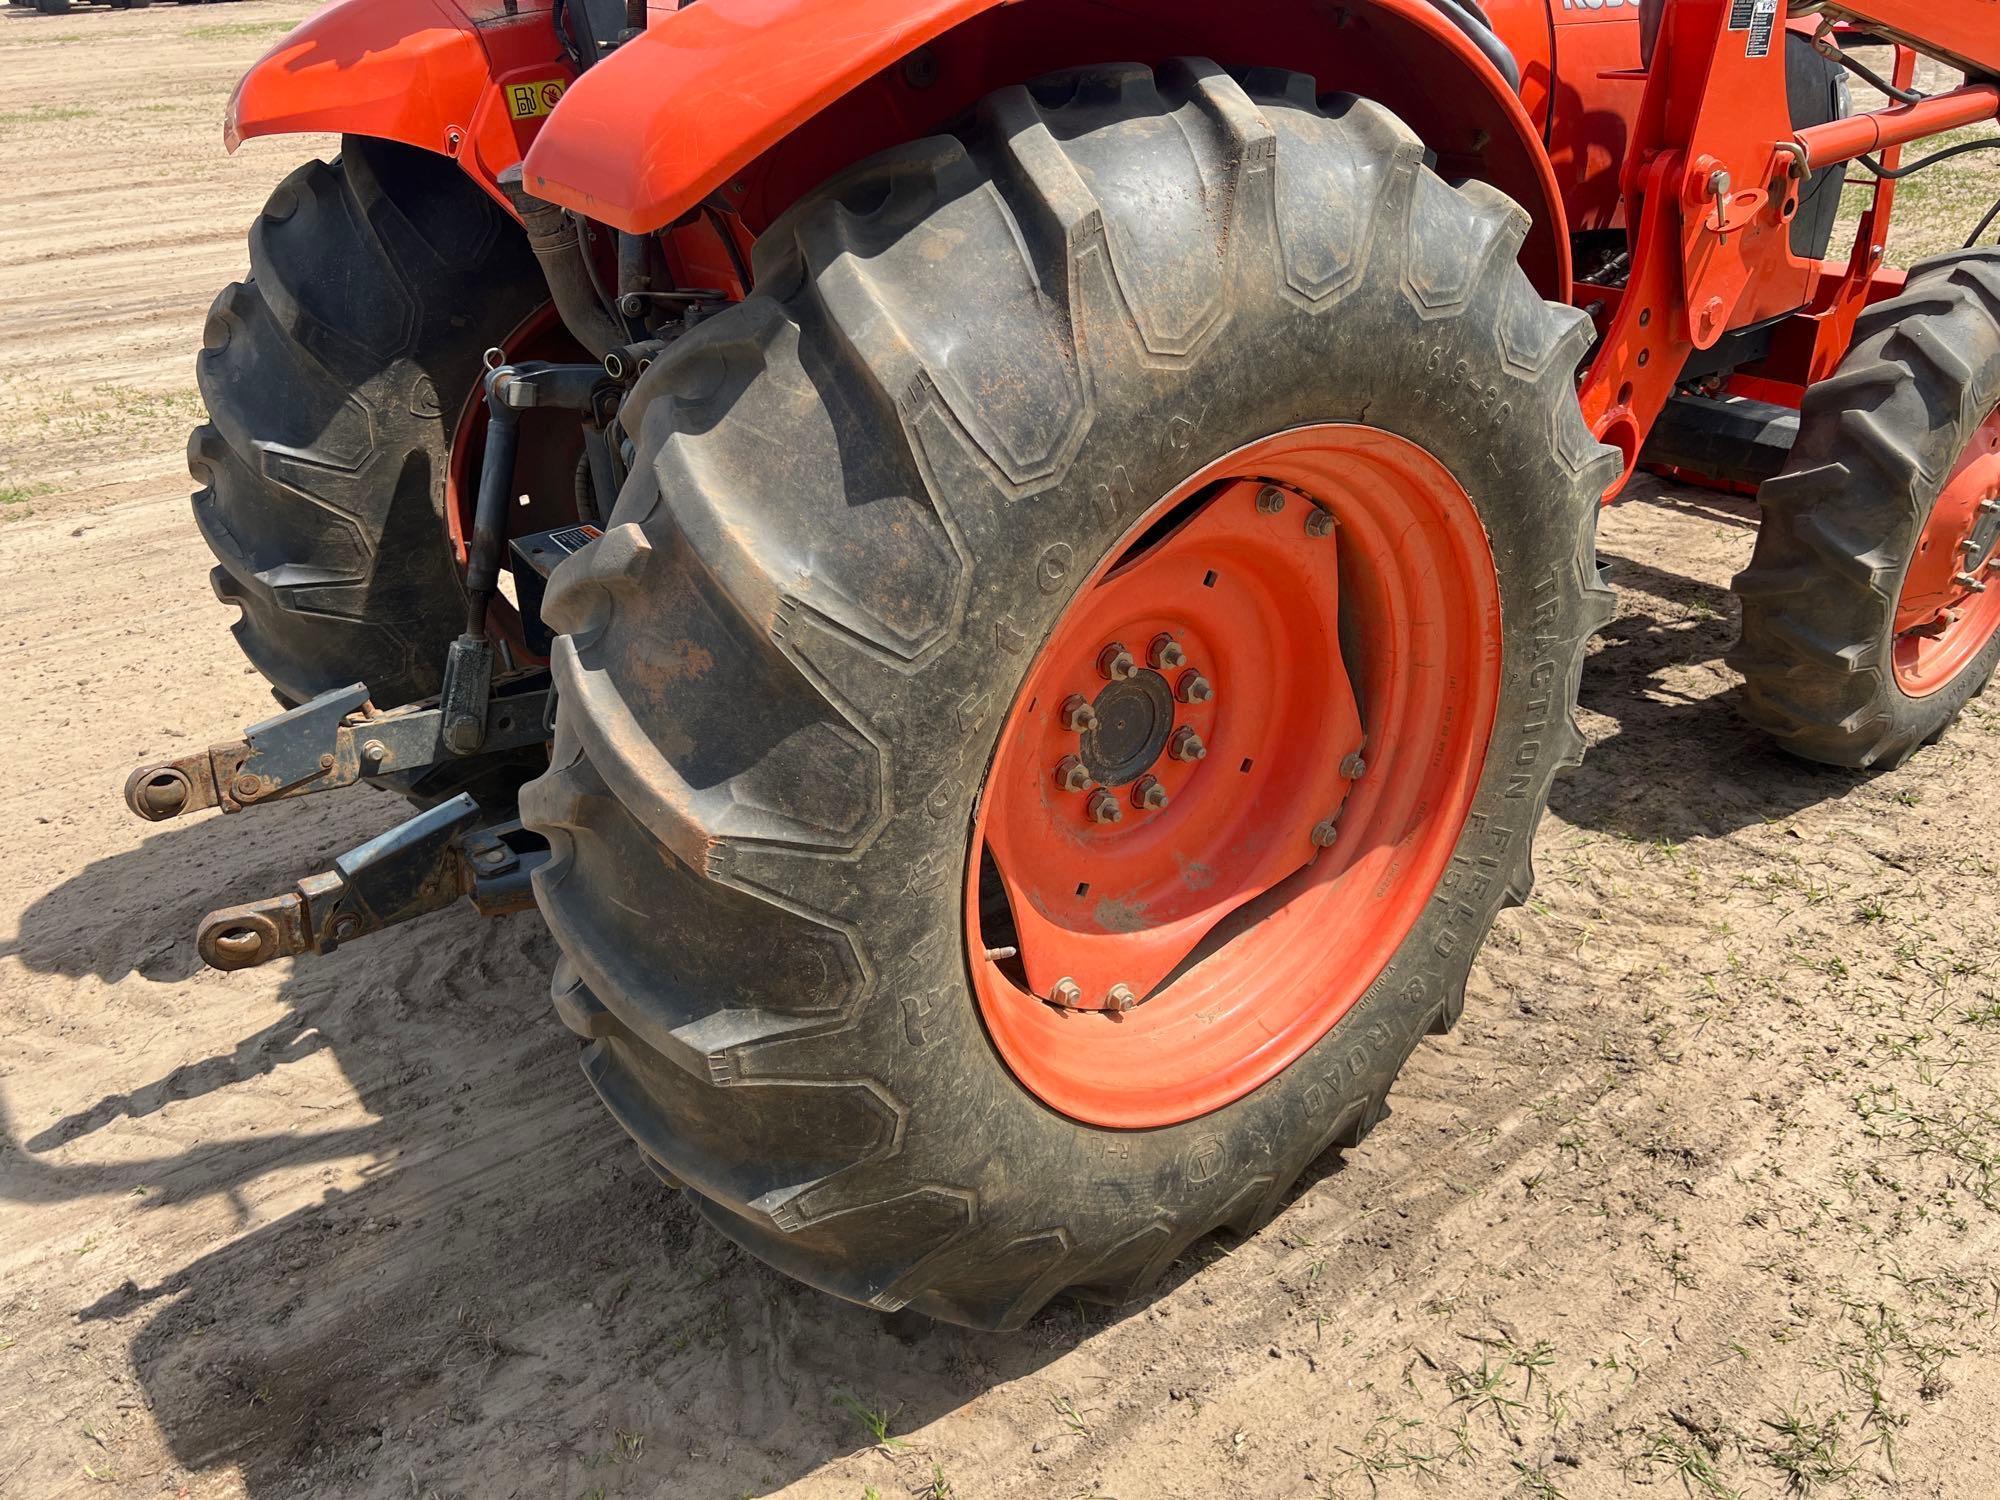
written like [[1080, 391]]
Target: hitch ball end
[[157, 793]]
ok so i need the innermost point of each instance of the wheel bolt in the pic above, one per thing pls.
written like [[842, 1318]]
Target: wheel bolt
[[1067, 992], [1077, 715], [1270, 500], [1186, 745], [1970, 547], [1149, 795], [1989, 507], [1072, 775], [1116, 663], [1968, 582], [1325, 835], [1165, 653], [1120, 998], [1354, 768], [1319, 522], [1104, 807], [1194, 688]]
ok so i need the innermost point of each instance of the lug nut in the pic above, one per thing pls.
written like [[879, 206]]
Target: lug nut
[[1077, 715], [1072, 775], [1067, 992], [1116, 663], [1989, 507], [1186, 745], [1968, 582], [1104, 808], [1325, 835], [1149, 795], [1194, 688], [1120, 998], [1270, 500], [374, 752], [1354, 768], [1166, 654], [1320, 522]]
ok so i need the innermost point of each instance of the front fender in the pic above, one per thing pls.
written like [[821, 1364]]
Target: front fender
[[469, 79]]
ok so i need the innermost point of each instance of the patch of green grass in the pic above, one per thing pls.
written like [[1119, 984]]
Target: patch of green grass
[[1808, 1450], [228, 30], [48, 114], [876, 1422]]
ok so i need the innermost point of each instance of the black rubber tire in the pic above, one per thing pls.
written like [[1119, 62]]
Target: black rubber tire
[[1877, 440], [334, 377], [968, 368]]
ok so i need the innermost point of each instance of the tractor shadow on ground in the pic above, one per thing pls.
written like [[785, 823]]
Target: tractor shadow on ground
[[481, 1289], [1680, 762]]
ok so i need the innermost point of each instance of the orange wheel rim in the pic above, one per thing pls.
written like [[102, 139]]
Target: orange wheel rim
[[1234, 776], [1949, 608]]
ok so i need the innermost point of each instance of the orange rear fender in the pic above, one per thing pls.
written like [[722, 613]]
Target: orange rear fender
[[471, 79]]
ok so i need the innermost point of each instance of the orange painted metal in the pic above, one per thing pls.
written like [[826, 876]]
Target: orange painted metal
[[470, 79], [1858, 135], [1964, 31], [1950, 605], [754, 102], [1244, 941]]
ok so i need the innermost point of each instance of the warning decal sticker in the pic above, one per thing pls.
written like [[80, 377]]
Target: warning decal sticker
[[530, 101], [1763, 21]]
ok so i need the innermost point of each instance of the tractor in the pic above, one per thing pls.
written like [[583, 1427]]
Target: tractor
[[1011, 576]]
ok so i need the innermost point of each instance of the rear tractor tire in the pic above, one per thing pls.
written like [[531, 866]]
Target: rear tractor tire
[[1193, 401], [335, 377], [1871, 606]]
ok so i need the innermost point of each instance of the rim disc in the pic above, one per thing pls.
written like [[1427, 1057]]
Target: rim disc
[[1950, 605], [1234, 775]]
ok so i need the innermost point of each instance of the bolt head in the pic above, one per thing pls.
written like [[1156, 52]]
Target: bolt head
[[1120, 998], [1072, 775], [1067, 992], [1166, 653], [1104, 808], [1354, 768], [1148, 795], [1116, 664], [346, 926], [247, 788], [1270, 500], [1320, 522], [1325, 835], [1077, 715], [1989, 507], [1186, 745], [1194, 688]]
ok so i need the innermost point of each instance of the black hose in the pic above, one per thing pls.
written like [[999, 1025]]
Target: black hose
[[553, 236], [1984, 224], [1892, 173], [1865, 73]]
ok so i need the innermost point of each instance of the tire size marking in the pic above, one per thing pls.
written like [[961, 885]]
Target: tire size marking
[[1489, 410], [1542, 679]]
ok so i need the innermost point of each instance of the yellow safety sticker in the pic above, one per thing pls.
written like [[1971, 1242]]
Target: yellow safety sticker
[[530, 101]]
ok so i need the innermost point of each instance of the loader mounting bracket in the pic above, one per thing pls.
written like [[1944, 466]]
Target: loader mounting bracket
[[422, 866]]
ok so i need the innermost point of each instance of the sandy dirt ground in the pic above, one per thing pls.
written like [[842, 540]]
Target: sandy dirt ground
[[1702, 1198]]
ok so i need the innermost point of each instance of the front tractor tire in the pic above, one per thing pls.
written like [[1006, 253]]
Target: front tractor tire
[[1143, 355], [1871, 606], [335, 377]]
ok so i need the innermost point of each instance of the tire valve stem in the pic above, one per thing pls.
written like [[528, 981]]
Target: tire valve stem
[[1001, 955]]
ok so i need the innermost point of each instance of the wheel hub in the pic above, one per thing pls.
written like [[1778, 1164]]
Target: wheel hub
[[1949, 607], [1135, 719], [1184, 867]]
